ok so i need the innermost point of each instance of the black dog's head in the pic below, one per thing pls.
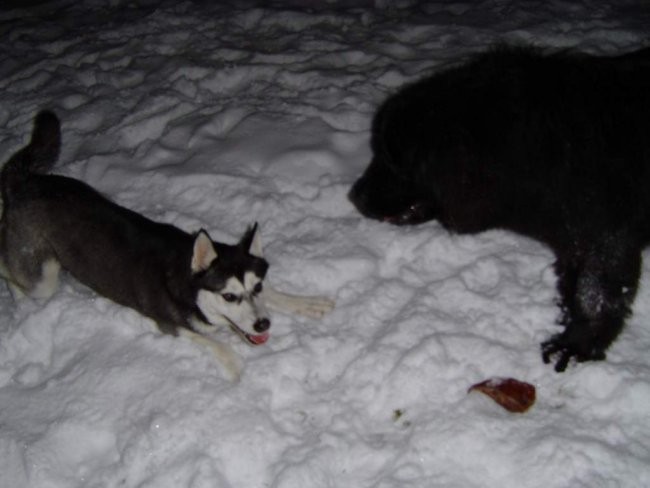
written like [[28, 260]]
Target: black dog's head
[[394, 187], [383, 194]]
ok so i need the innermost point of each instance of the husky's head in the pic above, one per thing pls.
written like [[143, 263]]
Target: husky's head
[[229, 286]]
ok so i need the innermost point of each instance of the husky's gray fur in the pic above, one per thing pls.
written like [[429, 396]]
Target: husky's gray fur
[[187, 283]]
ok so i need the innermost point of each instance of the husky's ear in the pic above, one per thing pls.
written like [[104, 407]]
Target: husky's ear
[[204, 252], [252, 241]]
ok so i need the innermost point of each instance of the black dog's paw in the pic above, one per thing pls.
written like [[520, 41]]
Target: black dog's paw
[[561, 349]]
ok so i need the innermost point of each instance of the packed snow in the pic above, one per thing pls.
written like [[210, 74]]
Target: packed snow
[[216, 115]]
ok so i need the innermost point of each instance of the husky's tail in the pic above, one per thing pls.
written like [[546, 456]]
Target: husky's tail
[[38, 156]]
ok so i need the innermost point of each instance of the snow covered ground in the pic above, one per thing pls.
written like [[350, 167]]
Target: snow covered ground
[[219, 114]]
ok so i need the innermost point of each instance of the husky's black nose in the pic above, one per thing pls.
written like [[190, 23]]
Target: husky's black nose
[[262, 325]]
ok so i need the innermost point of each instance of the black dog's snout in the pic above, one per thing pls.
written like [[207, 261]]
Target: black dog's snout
[[262, 325], [359, 196], [353, 194]]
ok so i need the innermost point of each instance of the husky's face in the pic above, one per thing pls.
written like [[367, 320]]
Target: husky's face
[[229, 284]]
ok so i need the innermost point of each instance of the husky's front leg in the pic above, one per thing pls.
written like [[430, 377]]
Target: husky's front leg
[[224, 354], [309, 306]]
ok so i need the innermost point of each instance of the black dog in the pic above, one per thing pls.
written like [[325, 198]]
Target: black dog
[[553, 146]]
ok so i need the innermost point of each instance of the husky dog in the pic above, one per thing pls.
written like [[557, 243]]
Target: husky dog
[[555, 146], [187, 283]]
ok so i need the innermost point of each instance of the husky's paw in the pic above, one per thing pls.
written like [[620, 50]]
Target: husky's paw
[[222, 352], [228, 359], [314, 307]]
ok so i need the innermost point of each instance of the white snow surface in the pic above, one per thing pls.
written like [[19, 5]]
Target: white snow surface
[[218, 114]]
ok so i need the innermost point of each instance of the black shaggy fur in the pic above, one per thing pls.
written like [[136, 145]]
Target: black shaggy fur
[[552, 146]]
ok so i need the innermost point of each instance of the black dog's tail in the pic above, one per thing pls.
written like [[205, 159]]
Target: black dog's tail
[[38, 156]]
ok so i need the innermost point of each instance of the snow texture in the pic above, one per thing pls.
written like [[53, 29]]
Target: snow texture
[[218, 114]]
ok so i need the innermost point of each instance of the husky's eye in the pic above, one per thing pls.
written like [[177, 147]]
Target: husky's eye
[[257, 289], [229, 297]]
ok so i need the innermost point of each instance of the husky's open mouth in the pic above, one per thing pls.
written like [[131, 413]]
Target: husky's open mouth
[[257, 339], [254, 339]]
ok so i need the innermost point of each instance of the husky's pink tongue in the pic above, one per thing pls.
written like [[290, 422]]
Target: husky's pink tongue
[[259, 339]]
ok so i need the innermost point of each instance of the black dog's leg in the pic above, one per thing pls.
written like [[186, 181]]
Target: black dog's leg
[[567, 278], [597, 288]]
